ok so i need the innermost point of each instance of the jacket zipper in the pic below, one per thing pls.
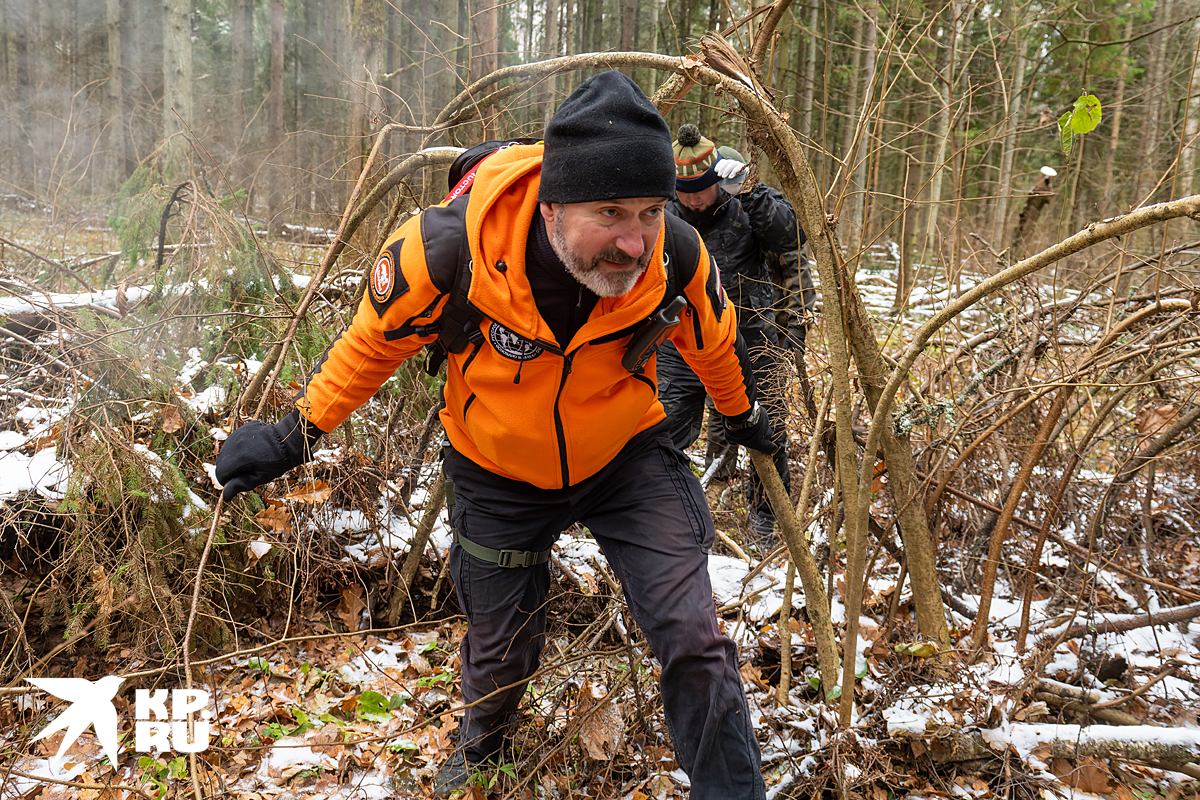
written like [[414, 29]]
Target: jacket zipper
[[558, 424]]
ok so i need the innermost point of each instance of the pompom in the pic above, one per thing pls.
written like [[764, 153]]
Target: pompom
[[689, 135]]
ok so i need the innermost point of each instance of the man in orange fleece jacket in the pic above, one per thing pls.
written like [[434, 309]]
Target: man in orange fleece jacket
[[569, 254]]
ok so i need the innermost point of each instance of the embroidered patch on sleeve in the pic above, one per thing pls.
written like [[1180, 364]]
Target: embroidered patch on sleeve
[[386, 280]]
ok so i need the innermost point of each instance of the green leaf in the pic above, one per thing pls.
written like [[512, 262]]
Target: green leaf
[[834, 693], [1065, 132], [403, 745], [373, 705], [397, 700], [1086, 114], [509, 770]]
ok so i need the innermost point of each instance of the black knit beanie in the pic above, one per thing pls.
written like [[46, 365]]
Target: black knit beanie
[[607, 141]]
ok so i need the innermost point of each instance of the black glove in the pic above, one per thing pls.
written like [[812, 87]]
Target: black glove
[[752, 429], [257, 453]]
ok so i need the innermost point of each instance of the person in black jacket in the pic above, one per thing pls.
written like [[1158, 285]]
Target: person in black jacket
[[752, 236]]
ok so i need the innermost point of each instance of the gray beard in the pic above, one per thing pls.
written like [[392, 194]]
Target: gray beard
[[613, 284]]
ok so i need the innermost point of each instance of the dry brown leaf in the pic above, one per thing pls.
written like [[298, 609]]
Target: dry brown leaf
[[661, 786], [351, 606], [1152, 420], [171, 421], [1091, 775], [311, 492], [122, 297], [752, 674], [603, 728], [275, 518]]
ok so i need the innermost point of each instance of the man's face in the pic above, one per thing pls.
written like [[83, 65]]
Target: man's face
[[605, 245], [701, 200]]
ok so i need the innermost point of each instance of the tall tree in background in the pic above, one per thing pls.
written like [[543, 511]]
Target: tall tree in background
[[276, 175], [115, 167], [1190, 183], [20, 17], [177, 89], [241, 50], [485, 47]]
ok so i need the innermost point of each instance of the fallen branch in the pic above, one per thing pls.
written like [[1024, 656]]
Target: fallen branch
[[1172, 748], [1130, 622], [1111, 715]]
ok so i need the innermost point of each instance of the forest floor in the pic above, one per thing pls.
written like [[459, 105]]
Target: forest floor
[[312, 694]]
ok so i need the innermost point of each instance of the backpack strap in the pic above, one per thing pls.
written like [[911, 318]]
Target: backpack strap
[[460, 319]]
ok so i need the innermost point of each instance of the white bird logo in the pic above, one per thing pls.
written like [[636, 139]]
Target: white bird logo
[[91, 705]]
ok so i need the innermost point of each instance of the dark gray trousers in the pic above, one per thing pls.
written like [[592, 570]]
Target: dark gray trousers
[[648, 514]]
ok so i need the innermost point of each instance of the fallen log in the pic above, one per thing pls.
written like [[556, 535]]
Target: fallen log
[[1130, 622], [1166, 748]]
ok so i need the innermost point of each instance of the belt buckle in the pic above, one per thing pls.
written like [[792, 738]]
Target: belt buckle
[[506, 558]]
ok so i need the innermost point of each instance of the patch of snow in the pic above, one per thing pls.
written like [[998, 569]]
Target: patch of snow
[[41, 472]]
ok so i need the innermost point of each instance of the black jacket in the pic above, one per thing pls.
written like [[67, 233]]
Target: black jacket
[[758, 247]]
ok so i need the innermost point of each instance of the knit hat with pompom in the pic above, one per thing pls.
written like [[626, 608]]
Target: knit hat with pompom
[[694, 160]]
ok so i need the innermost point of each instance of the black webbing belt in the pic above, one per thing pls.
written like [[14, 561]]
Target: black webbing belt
[[503, 558]]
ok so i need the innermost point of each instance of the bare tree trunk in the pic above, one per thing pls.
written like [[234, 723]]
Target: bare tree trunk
[[23, 146], [550, 49], [857, 202], [941, 132], [276, 174], [1114, 140], [850, 111], [177, 89], [1190, 162], [116, 112], [628, 13], [242, 53], [1152, 127], [484, 53], [1012, 123]]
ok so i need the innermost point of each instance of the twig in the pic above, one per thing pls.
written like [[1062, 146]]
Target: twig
[[1120, 701], [732, 545], [187, 632], [94, 786]]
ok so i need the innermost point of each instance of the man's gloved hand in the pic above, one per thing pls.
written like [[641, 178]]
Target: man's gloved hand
[[257, 453], [795, 338], [752, 430], [727, 168], [732, 173]]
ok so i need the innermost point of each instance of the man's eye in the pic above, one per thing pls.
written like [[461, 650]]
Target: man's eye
[[609, 212]]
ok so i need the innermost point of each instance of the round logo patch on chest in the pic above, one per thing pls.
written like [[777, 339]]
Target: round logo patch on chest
[[510, 345], [382, 277]]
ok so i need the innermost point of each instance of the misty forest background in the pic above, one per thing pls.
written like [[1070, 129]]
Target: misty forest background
[[922, 120]]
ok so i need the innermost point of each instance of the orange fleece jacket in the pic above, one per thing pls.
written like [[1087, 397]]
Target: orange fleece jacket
[[518, 405]]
